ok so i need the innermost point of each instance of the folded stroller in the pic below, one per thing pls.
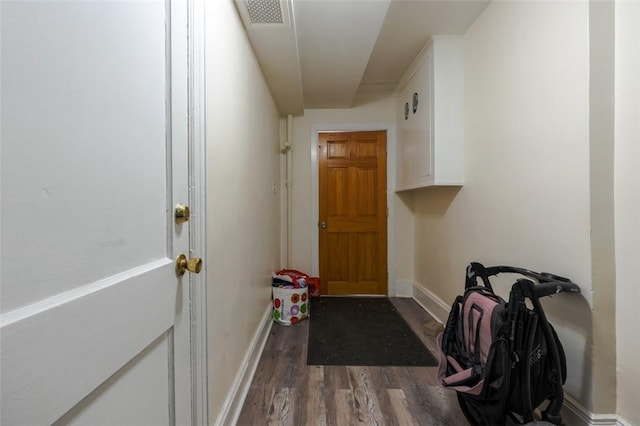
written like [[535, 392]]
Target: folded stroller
[[504, 359]]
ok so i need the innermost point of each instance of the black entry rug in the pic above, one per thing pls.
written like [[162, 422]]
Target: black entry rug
[[362, 331]]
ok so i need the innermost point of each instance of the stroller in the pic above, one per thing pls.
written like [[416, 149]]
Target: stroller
[[504, 360]]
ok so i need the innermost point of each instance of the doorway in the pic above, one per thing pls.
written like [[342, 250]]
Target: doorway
[[352, 208]]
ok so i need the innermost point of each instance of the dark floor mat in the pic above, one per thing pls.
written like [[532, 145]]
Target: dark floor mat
[[362, 331]]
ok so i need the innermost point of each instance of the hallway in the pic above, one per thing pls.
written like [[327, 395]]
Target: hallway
[[118, 117], [286, 391]]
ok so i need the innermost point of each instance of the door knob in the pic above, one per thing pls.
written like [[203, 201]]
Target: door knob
[[181, 213], [323, 225], [192, 265]]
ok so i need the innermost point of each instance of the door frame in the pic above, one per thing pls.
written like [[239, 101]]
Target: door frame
[[197, 204], [390, 128]]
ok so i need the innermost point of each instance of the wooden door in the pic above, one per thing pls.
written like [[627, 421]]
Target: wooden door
[[94, 321], [353, 212]]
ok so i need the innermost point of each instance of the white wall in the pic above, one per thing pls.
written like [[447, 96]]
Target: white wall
[[526, 198], [601, 140], [627, 206], [243, 213]]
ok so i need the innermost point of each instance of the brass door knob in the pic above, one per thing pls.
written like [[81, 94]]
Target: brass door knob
[[192, 265], [181, 213]]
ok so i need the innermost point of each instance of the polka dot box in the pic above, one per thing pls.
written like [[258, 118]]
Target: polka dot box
[[290, 305]]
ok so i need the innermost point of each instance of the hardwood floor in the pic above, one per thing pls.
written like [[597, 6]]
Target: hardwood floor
[[287, 391]]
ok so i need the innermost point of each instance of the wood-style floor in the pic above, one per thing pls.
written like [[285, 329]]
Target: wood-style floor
[[287, 391]]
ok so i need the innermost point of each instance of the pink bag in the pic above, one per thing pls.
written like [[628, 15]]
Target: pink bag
[[477, 316]]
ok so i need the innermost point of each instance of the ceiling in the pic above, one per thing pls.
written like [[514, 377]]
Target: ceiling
[[327, 53]]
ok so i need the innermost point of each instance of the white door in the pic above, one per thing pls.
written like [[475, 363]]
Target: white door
[[94, 321]]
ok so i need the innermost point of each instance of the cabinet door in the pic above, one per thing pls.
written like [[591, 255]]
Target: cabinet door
[[415, 118], [421, 122]]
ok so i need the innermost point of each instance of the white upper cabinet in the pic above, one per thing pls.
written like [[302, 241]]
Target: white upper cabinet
[[430, 117]]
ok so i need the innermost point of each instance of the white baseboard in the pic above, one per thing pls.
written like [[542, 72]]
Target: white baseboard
[[431, 303], [235, 399], [404, 289], [624, 422], [573, 413]]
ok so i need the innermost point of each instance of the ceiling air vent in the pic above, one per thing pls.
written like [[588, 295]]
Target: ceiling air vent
[[264, 13]]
